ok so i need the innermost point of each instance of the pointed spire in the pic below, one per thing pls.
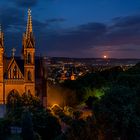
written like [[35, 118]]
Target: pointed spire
[[29, 24], [13, 52], [0, 31], [1, 37]]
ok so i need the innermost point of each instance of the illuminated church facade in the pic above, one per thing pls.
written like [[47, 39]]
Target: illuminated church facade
[[18, 74]]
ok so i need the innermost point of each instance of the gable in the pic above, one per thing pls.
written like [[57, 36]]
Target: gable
[[13, 70], [30, 43]]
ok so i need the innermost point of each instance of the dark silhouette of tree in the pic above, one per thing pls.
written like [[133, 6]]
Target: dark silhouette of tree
[[46, 125], [80, 130], [13, 101], [4, 128], [14, 107], [116, 113], [111, 74], [27, 99], [27, 126], [89, 102]]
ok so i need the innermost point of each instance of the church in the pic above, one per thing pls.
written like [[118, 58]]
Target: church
[[18, 74]]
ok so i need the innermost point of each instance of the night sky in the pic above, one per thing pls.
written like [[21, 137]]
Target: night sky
[[75, 28]]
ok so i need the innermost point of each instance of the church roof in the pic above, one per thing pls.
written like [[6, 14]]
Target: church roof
[[20, 63], [18, 60]]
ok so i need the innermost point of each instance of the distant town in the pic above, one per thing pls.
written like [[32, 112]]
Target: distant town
[[61, 68]]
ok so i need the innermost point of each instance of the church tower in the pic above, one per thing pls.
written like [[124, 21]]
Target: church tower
[[1, 63], [28, 52]]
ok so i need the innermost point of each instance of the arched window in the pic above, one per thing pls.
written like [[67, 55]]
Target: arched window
[[5, 75], [15, 72], [13, 99], [29, 58], [29, 75], [29, 92]]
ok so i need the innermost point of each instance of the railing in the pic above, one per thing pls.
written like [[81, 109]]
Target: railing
[[14, 81]]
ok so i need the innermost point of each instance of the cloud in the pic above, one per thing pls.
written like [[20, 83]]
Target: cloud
[[74, 42], [78, 39], [24, 3], [14, 21], [54, 20], [11, 17], [124, 30], [119, 38], [127, 21]]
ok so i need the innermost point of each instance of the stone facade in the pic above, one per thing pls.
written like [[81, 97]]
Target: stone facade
[[15, 73]]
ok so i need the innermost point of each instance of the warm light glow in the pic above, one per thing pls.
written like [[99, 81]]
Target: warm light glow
[[105, 56], [72, 77], [56, 105]]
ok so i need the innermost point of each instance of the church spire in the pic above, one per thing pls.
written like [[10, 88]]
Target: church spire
[[28, 37], [29, 29], [0, 31], [1, 37]]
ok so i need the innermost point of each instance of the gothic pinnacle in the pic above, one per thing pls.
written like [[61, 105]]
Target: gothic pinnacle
[[0, 31], [29, 24]]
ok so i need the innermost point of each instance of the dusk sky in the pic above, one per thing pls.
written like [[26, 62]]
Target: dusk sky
[[75, 28]]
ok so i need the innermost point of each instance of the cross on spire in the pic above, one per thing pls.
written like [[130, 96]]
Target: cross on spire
[[29, 24], [13, 51]]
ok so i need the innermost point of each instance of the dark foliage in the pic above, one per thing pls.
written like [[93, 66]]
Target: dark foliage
[[4, 128], [27, 126], [117, 113], [89, 102], [46, 125]]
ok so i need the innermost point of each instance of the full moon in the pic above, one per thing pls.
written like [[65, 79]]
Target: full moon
[[105, 56]]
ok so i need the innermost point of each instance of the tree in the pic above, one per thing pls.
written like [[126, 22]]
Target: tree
[[89, 102], [13, 101], [80, 130], [4, 128], [82, 86], [27, 126], [30, 101], [111, 74], [16, 104], [116, 113], [14, 108], [46, 125]]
